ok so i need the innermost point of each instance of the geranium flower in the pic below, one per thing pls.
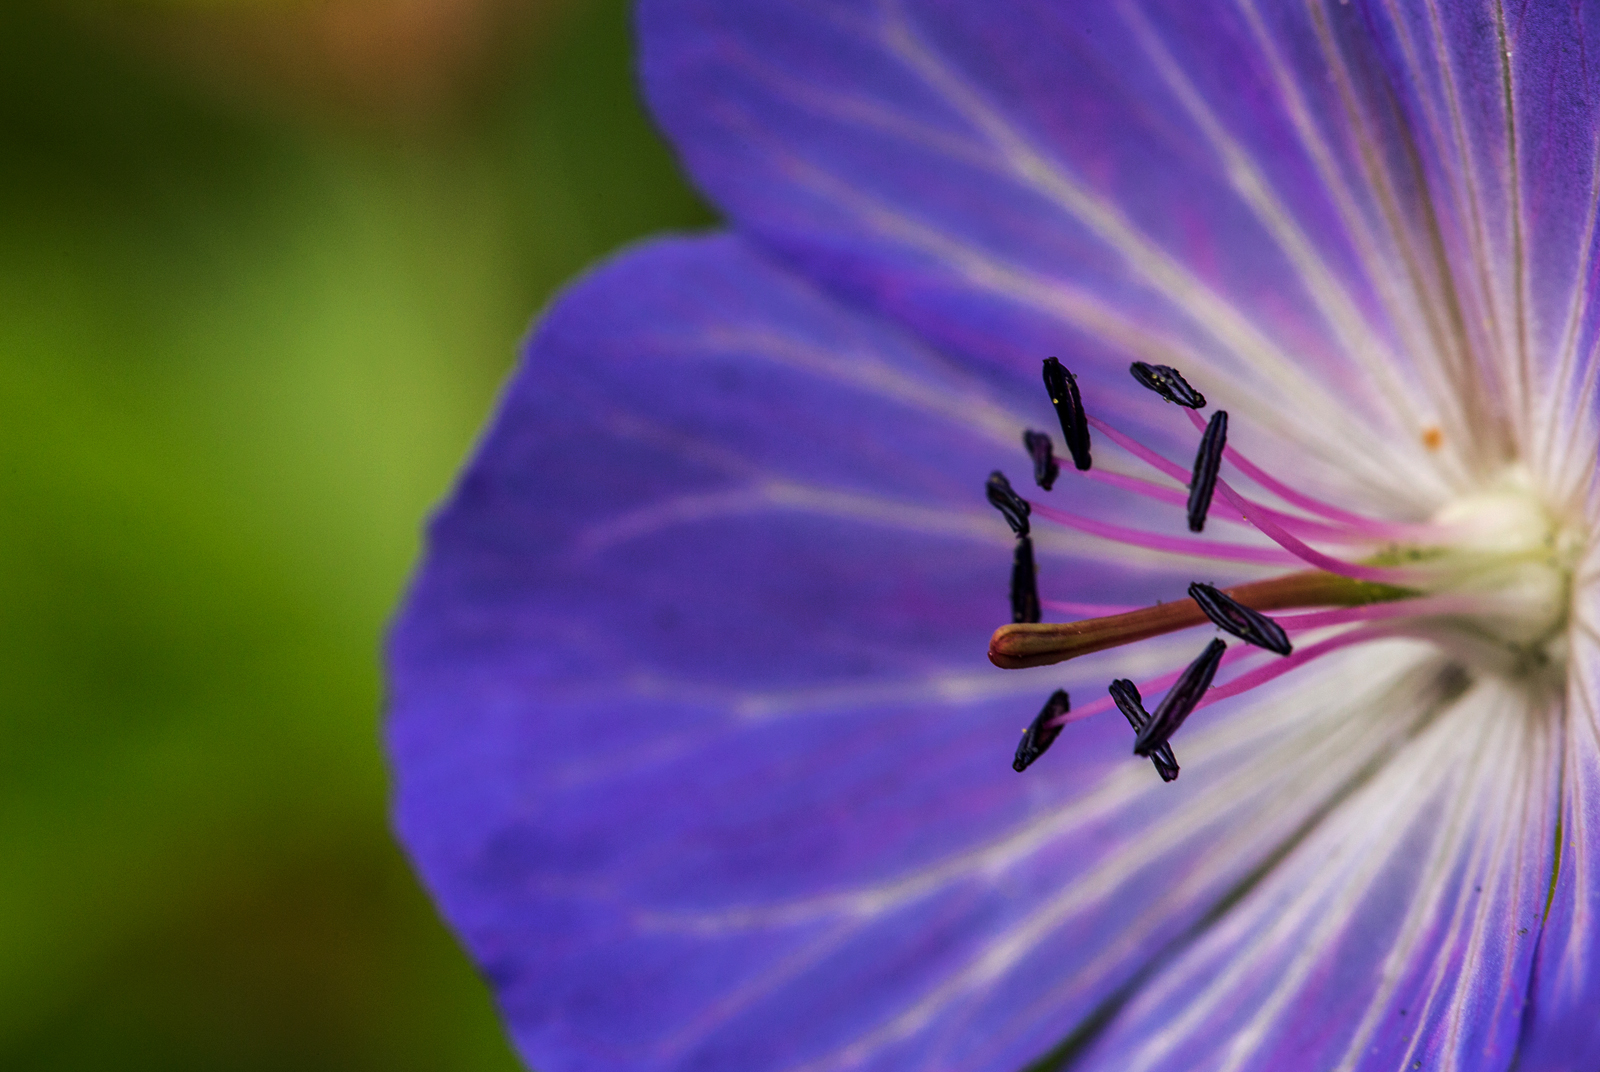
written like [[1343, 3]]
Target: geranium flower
[[695, 739]]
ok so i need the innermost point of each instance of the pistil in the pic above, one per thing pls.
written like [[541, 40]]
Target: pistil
[[1021, 645]]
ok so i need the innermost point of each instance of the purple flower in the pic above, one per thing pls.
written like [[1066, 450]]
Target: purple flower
[[695, 740]]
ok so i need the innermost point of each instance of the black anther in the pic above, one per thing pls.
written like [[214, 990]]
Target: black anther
[[1003, 498], [1045, 468], [1169, 383], [1248, 625], [1207, 461], [1040, 735], [1180, 700], [1063, 388], [1126, 696], [1024, 583]]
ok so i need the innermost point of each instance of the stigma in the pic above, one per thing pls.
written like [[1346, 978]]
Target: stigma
[[1487, 578]]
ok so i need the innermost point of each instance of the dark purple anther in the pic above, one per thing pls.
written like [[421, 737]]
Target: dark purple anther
[[1040, 735], [1169, 383], [1206, 463], [1063, 388], [1126, 696], [1045, 468], [1005, 499], [1181, 699], [1248, 625], [1024, 583]]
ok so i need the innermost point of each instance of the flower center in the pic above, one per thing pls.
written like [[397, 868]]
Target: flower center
[[1488, 578], [1511, 556]]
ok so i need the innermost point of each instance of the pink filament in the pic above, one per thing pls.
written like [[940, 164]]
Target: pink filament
[[1148, 488], [1180, 497], [1139, 450], [1371, 612], [1179, 545], [1287, 522], [1278, 667], [1088, 610], [1146, 688], [1371, 525], [1300, 549]]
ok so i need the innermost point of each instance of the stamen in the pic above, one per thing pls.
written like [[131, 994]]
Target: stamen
[[1422, 607], [1278, 667], [1160, 682], [1370, 525], [1024, 584], [1178, 545], [1181, 699], [1359, 529], [1169, 383], [1042, 731], [1250, 626], [1306, 553], [1200, 492], [1364, 593], [1005, 499], [1017, 646], [1063, 388], [1206, 463], [1140, 451], [1320, 530], [1045, 469], [1125, 694]]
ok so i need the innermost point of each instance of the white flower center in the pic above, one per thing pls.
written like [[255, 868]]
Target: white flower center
[[1514, 561]]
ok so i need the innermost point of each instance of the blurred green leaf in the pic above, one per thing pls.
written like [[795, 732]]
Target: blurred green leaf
[[240, 357]]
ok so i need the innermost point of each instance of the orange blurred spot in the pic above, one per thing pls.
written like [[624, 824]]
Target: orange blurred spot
[[407, 62], [1432, 437]]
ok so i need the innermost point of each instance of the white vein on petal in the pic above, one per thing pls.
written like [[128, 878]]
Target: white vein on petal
[[857, 367], [1492, 325], [1298, 771], [1302, 422], [1580, 448], [1511, 772], [1519, 266], [1355, 336], [729, 1005], [1033, 167], [1331, 899], [778, 494], [1291, 766], [1455, 372], [1573, 963], [1560, 390], [1243, 732], [1401, 302]]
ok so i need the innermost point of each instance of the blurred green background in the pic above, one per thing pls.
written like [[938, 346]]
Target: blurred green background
[[262, 268]]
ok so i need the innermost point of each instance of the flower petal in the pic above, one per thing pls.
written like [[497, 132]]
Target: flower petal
[[1562, 1030], [1272, 196], [694, 739], [1503, 111], [1402, 930]]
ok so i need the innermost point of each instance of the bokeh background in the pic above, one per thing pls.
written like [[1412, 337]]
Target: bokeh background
[[263, 265]]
